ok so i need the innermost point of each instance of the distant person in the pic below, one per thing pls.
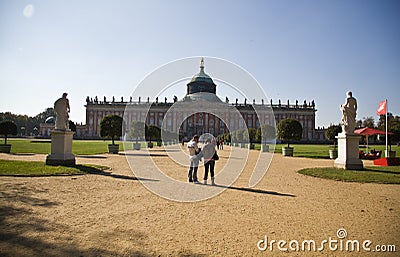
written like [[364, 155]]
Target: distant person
[[209, 162], [194, 160], [221, 145]]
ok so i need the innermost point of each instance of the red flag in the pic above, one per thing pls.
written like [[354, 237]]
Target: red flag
[[381, 108]]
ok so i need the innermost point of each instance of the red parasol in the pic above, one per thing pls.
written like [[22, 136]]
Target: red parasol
[[369, 132]]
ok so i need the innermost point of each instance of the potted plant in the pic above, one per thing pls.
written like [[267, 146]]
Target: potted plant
[[264, 134], [138, 131], [289, 130], [111, 127], [331, 134], [7, 128]]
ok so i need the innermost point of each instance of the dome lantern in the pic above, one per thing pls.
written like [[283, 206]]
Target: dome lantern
[[201, 82]]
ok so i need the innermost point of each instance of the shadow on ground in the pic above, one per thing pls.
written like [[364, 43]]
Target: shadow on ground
[[23, 233], [145, 154], [96, 171], [91, 156], [254, 190]]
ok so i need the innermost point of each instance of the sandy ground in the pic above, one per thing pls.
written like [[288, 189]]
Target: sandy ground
[[113, 214]]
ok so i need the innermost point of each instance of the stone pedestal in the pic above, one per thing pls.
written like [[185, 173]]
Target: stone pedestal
[[348, 157], [61, 148]]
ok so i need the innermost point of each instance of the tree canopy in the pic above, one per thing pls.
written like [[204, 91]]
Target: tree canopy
[[393, 126], [111, 127], [7, 128], [332, 132], [25, 124], [153, 133], [265, 133], [289, 130], [138, 130]]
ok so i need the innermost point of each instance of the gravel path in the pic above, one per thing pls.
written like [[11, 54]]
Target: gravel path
[[115, 215]]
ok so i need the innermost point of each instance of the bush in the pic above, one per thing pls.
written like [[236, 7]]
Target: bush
[[289, 130], [111, 127], [7, 128], [138, 130], [265, 133], [153, 133], [332, 132], [252, 134]]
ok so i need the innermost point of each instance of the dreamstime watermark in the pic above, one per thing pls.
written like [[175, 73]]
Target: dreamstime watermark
[[205, 104], [340, 242]]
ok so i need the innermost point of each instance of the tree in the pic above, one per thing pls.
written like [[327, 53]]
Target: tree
[[252, 134], [27, 123], [153, 133], [239, 135], [111, 126], [288, 130], [368, 122], [227, 137], [332, 132], [265, 133], [7, 128], [393, 126], [359, 124], [138, 130], [72, 126]]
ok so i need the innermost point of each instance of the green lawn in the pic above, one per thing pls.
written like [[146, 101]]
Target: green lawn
[[373, 174], [88, 147], [321, 151], [80, 147], [24, 168]]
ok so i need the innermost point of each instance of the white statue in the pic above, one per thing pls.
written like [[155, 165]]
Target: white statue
[[61, 108], [349, 110]]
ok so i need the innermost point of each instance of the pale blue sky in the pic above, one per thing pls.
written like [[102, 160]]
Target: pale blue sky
[[295, 49]]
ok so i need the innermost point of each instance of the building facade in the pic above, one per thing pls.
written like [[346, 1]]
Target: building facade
[[200, 88]]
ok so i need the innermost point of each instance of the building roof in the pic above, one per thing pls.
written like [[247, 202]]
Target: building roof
[[202, 95], [202, 76], [201, 87]]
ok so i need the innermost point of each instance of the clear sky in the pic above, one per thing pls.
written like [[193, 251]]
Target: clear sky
[[313, 50]]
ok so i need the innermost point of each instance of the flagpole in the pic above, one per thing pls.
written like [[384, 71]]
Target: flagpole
[[386, 152]]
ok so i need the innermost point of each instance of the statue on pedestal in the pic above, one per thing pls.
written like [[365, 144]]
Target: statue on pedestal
[[61, 136], [349, 110], [61, 108], [347, 157]]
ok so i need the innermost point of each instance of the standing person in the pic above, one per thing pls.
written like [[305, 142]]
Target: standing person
[[194, 160], [209, 162], [221, 144]]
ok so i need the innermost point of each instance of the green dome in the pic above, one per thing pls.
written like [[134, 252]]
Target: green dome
[[201, 82], [202, 76]]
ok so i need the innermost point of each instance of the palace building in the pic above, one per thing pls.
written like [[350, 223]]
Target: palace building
[[200, 88]]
